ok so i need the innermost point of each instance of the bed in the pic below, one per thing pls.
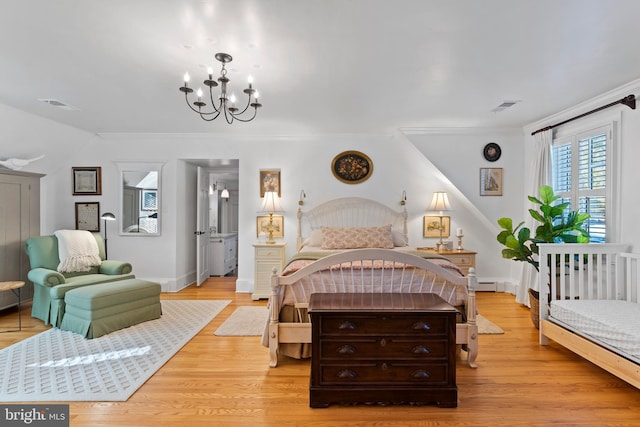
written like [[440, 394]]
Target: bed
[[323, 264], [589, 304]]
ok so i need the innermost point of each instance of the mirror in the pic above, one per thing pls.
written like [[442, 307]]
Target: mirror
[[140, 212]]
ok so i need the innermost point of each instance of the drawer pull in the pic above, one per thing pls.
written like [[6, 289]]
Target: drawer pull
[[384, 366], [347, 349], [383, 342], [346, 374], [420, 374], [420, 326], [347, 325], [420, 349]]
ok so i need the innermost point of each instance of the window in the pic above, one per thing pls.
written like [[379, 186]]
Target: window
[[581, 165]]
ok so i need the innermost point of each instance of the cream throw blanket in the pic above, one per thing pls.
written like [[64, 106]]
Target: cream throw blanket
[[78, 251]]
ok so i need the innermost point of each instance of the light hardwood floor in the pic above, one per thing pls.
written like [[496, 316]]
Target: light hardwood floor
[[226, 381]]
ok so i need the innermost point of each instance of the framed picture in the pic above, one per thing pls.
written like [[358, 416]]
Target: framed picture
[[351, 167], [269, 181], [149, 200], [491, 181], [88, 216], [87, 181], [262, 224], [492, 152], [431, 226]]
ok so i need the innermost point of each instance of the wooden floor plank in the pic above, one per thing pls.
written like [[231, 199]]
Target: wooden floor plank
[[227, 381]]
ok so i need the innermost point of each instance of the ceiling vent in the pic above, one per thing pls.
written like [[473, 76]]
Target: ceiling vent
[[504, 106], [58, 104]]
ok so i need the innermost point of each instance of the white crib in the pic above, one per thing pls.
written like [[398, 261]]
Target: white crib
[[584, 274]]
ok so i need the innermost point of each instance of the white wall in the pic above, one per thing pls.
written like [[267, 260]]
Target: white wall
[[458, 154], [419, 163]]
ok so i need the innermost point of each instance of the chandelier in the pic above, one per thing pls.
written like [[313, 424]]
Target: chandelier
[[222, 102]]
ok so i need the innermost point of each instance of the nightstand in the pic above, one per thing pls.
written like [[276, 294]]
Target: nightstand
[[463, 259], [267, 256]]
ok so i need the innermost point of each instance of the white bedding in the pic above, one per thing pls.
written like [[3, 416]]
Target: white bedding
[[615, 323]]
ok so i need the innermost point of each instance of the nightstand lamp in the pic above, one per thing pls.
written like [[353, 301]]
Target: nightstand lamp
[[440, 203], [271, 205]]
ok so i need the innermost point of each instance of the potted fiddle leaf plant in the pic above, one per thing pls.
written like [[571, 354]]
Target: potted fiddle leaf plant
[[555, 226]]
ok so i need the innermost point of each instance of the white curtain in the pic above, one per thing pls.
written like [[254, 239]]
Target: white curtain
[[541, 174]]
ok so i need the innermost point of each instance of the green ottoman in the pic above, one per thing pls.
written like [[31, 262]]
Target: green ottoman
[[96, 310]]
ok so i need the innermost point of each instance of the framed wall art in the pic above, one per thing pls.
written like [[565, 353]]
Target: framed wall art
[[88, 216], [269, 181], [431, 226], [351, 167], [492, 152], [491, 181], [87, 181], [262, 225]]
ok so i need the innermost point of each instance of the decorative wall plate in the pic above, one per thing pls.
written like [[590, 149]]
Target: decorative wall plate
[[492, 151], [352, 167]]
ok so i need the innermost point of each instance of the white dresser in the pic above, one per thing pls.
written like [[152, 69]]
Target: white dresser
[[267, 256], [223, 253]]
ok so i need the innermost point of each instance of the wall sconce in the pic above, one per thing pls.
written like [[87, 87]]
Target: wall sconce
[[225, 193], [403, 199], [303, 195]]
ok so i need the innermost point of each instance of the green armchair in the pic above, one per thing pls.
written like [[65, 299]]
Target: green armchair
[[50, 286]]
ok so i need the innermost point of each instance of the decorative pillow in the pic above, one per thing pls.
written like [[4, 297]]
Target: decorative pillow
[[357, 237], [398, 238]]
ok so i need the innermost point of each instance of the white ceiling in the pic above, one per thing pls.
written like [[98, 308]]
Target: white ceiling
[[321, 66]]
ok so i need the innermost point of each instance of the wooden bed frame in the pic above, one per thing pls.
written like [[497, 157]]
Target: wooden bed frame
[[359, 212], [608, 273]]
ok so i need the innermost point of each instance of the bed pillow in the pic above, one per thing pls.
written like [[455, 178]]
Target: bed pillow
[[357, 237], [398, 238], [314, 239]]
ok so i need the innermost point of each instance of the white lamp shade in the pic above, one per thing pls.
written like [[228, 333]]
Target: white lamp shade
[[439, 202], [271, 202], [224, 194]]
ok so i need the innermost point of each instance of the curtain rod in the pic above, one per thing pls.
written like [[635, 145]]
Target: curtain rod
[[629, 101]]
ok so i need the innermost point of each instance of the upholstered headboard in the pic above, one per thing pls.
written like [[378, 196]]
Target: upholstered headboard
[[350, 212]]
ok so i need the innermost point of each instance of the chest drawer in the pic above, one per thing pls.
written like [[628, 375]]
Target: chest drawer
[[384, 347], [423, 325], [400, 373]]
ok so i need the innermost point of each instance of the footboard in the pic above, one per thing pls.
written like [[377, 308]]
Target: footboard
[[367, 271]]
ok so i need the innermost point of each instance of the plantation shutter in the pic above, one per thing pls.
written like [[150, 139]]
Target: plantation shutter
[[580, 177]]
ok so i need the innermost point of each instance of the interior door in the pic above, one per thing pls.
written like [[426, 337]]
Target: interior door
[[202, 232]]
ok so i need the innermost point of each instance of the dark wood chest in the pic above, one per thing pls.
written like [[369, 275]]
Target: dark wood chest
[[382, 349]]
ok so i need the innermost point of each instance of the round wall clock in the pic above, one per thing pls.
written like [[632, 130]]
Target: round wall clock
[[492, 152], [352, 167]]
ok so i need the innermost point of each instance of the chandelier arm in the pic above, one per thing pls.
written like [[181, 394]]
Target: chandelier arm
[[228, 115], [245, 108], [202, 113], [210, 119], [255, 111], [213, 104]]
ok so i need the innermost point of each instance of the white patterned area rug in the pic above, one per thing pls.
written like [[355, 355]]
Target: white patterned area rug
[[244, 321], [487, 327], [59, 365]]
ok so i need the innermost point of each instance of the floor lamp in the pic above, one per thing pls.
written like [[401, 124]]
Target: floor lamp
[[440, 204], [107, 216]]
